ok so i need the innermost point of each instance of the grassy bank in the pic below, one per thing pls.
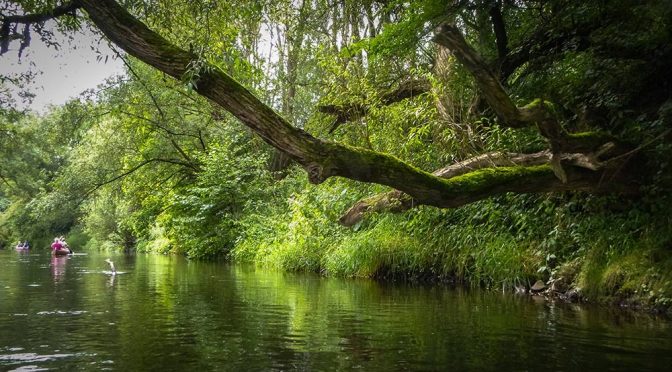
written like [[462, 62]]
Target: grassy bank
[[607, 249]]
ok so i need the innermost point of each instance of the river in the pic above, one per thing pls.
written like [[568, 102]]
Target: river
[[169, 313]]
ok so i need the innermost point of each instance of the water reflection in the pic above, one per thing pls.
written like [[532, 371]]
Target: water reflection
[[58, 264], [169, 313], [110, 280]]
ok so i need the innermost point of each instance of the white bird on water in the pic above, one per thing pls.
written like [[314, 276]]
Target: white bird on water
[[114, 271]]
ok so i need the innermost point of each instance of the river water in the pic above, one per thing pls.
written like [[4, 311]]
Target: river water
[[168, 313]]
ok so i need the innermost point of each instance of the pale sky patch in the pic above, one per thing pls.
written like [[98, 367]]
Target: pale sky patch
[[64, 73]]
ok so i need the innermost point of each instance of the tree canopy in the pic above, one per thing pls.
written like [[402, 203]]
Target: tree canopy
[[519, 57]]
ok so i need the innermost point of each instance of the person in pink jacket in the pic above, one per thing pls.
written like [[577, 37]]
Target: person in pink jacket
[[56, 245]]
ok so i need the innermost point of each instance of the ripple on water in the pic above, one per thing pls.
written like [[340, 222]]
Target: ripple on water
[[60, 312], [10, 358], [17, 358], [28, 368]]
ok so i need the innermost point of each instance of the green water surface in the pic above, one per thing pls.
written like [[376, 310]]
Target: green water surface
[[168, 313]]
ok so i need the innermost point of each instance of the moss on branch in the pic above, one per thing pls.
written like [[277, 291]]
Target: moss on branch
[[487, 178]]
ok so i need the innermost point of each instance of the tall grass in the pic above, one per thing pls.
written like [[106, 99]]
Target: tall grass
[[607, 250]]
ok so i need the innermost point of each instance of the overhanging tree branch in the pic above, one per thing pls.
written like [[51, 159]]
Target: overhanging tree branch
[[321, 159], [482, 165]]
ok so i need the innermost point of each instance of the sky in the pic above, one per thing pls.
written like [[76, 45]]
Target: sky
[[63, 73]]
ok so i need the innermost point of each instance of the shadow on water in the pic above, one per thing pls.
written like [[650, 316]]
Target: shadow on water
[[169, 313]]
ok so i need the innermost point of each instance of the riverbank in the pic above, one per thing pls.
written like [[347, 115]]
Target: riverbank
[[602, 250]]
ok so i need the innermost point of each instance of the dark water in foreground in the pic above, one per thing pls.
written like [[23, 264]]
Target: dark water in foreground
[[167, 313]]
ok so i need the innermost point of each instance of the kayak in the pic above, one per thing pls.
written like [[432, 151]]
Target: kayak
[[61, 252]]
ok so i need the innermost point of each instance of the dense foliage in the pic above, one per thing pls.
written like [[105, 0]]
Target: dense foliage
[[150, 165]]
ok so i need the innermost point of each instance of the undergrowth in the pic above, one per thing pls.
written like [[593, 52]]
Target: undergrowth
[[607, 248]]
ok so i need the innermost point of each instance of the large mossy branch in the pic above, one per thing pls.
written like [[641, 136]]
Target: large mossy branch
[[494, 173], [473, 186]]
